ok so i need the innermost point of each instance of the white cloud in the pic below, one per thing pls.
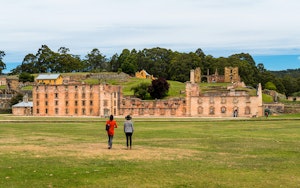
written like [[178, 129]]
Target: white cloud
[[219, 27]]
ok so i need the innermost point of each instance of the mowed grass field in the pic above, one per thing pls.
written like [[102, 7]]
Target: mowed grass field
[[72, 152]]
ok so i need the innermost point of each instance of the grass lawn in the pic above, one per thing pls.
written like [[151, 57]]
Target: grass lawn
[[66, 152]]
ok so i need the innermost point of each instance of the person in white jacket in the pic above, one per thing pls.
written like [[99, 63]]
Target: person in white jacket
[[128, 130]]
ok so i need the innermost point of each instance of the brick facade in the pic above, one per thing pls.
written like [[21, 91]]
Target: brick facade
[[103, 100], [76, 100], [231, 74], [222, 104]]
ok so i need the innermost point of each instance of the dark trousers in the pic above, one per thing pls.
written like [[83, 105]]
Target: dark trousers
[[128, 138], [110, 140]]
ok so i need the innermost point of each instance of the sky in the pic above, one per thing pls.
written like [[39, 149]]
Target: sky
[[269, 30]]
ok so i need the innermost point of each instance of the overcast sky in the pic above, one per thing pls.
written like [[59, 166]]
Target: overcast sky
[[218, 27]]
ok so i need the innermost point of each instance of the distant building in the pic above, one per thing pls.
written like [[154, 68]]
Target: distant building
[[49, 79], [23, 108], [291, 98], [76, 100], [144, 74], [2, 80]]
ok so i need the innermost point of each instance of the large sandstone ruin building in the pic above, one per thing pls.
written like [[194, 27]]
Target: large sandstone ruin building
[[80, 99], [231, 75]]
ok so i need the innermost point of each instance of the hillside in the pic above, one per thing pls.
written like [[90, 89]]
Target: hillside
[[177, 89], [294, 73]]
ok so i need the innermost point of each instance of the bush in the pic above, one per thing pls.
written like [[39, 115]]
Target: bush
[[141, 90], [159, 88], [26, 77], [270, 86]]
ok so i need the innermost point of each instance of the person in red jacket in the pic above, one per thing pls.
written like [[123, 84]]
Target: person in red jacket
[[111, 130]]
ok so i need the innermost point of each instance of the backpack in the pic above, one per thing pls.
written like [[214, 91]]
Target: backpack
[[107, 127]]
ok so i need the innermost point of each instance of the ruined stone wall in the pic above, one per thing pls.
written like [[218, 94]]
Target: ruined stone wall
[[110, 97], [109, 76], [290, 109], [13, 84], [275, 108], [195, 75], [2, 81], [293, 98], [231, 74], [22, 111], [198, 75], [156, 108], [5, 103], [215, 78], [222, 104]]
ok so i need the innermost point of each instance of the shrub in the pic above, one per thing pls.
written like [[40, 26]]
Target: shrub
[[141, 90], [159, 88]]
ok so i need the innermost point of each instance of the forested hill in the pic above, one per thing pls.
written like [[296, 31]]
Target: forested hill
[[294, 73], [160, 62]]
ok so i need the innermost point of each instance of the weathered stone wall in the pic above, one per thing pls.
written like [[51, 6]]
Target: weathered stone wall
[[291, 108], [231, 74], [2, 80], [75, 100], [275, 108], [156, 108], [222, 104], [198, 75], [109, 76], [5, 103], [293, 98], [13, 84]]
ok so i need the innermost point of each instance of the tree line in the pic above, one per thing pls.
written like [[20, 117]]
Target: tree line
[[160, 62]]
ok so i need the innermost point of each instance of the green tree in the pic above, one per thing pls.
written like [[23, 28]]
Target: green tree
[[155, 61], [66, 62], [28, 65], [181, 64], [159, 88], [247, 68], [261, 67], [45, 58], [141, 90], [128, 61], [279, 85], [270, 86], [114, 63], [209, 65], [2, 64], [16, 99], [95, 61], [26, 77], [199, 52], [290, 85]]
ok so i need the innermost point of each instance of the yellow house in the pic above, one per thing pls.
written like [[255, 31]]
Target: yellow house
[[49, 79], [144, 74]]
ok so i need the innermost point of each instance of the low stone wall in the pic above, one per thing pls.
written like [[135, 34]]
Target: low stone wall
[[275, 107], [109, 76], [292, 108]]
